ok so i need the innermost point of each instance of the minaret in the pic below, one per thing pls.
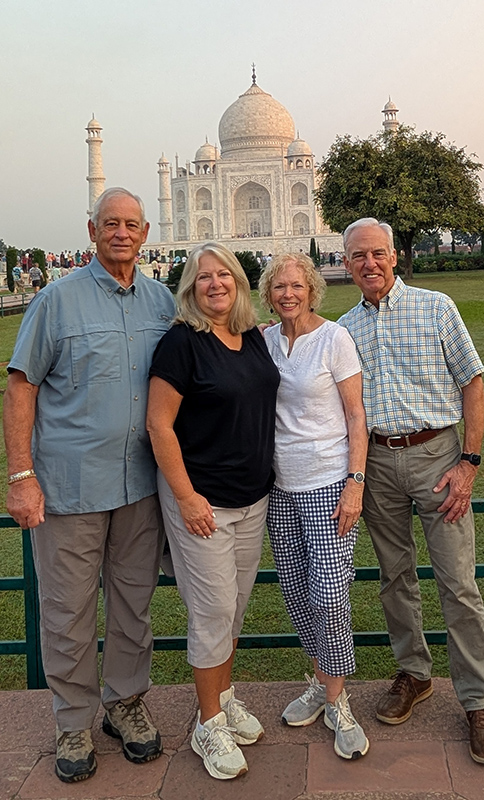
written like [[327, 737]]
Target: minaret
[[164, 199], [390, 122], [95, 176]]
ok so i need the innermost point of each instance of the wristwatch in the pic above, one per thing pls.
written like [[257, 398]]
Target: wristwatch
[[473, 458], [358, 477]]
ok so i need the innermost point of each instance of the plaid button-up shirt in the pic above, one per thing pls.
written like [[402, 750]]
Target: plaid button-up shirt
[[416, 355]]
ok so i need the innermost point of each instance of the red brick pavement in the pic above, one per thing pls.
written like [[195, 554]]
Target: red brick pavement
[[425, 759]]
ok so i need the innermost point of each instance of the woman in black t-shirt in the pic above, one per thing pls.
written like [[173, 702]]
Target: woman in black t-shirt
[[211, 417]]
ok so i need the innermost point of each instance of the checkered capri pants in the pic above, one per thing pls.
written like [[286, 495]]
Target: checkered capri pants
[[315, 568]]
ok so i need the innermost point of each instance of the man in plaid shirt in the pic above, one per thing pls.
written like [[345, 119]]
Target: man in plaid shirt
[[421, 376]]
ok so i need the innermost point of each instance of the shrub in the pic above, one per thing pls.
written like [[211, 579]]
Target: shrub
[[251, 267], [38, 257]]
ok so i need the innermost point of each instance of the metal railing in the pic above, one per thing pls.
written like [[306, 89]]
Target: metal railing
[[30, 646]]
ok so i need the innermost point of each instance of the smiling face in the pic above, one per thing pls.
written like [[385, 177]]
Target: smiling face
[[215, 288], [119, 232], [290, 293], [371, 262]]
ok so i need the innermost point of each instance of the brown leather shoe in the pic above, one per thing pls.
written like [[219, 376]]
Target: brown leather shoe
[[397, 704], [476, 744]]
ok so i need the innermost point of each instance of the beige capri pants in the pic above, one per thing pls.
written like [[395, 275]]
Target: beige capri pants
[[214, 576]]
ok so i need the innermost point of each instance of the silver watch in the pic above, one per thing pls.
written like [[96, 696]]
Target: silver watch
[[358, 477]]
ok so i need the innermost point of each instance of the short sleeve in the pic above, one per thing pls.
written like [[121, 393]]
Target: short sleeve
[[173, 359], [35, 348], [460, 354], [344, 358]]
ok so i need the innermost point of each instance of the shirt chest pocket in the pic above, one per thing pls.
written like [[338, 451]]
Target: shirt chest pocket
[[96, 354], [152, 331]]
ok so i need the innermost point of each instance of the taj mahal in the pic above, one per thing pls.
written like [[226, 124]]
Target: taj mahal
[[254, 193]]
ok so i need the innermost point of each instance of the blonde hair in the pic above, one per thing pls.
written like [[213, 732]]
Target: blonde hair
[[315, 282], [242, 315]]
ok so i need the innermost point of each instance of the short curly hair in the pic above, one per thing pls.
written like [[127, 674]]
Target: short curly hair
[[315, 282]]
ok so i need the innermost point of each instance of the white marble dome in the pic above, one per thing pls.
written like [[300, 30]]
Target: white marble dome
[[390, 106], [255, 126], [207, 152], [299, 148], [93, 123]]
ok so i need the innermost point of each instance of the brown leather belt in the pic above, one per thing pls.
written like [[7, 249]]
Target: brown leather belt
[[398, 442]]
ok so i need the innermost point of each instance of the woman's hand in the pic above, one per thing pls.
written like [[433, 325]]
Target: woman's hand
[[348, 510], [197, 515]]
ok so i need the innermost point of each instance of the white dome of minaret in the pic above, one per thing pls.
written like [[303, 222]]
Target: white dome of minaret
[[390, 121]]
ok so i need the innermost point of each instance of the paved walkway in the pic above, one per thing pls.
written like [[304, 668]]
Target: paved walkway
[[425, 759]]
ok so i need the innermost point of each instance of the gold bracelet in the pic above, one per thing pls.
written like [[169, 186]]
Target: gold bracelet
[[21, 476]]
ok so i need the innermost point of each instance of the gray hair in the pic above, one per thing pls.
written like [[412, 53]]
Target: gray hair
[[368, 222], [242, 315], [113, 192], [315, 282]]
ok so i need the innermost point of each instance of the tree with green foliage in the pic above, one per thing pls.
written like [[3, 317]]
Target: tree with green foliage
[[313, 253], [467, 239], [11, 256], [251, 267], [418, 183], [38, 257]]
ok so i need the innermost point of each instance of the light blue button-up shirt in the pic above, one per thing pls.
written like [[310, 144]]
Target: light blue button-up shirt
[[416, 355], [87, 343]]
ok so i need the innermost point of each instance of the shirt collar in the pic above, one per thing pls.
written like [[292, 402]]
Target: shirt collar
[[106, 282], [391, 298]]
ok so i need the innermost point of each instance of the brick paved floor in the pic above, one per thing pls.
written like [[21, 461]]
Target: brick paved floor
[[425, 759]]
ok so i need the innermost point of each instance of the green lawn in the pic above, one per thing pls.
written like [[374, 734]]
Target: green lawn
[[266, 613]]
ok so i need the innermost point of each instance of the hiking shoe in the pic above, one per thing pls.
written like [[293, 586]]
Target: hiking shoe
[[396, 705], [349, 737], [306, 708], [216, 745], [246, 728], [130, 721], [75, 759]]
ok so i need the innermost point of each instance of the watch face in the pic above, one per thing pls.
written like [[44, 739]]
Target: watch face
[[359, 477], [473, 458]]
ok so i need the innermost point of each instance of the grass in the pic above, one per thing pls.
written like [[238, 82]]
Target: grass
[[266, 612]]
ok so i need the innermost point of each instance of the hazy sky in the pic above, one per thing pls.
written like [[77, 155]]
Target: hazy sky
[[158, 74]]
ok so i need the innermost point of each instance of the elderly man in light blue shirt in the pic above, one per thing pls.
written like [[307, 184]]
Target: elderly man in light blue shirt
[[83, 478]]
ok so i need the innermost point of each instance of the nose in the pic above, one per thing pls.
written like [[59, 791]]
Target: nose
[[122, 230], [370, 259]]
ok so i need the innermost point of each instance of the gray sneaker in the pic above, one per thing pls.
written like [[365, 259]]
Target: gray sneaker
[[306, 708], [246, 728], [130, 721], [349, 737], [75, 759], [216, 745]]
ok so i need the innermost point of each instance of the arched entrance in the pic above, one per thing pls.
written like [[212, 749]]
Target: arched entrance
[[252, 210]]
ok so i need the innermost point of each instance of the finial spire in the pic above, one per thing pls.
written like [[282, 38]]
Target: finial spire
[[254, 80]]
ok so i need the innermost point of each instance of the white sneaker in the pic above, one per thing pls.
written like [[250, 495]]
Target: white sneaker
[[304, 710], [216, 745], [349, 737], [247, 728]]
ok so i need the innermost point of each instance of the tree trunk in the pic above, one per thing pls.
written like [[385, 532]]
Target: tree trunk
[[452, 246], [407, 239]]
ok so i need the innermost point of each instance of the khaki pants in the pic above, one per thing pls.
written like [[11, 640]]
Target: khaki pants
[[69, 552], [393, 479]]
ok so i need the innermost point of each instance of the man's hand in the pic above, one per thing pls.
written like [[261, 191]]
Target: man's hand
[[348, 510], [25, 503], [197, 515], [460, 480]]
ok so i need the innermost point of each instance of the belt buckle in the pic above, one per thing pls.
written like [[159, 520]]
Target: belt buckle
[[397, 446]]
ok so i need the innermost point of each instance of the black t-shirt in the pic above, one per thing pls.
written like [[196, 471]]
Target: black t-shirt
[[225, 423]]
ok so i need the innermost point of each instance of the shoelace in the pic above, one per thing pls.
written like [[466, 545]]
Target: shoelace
[[311, 690], [344, 718], [478, 717], [220, 740], [400, 684], [236, 710], [135, 712], [76, 739]]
